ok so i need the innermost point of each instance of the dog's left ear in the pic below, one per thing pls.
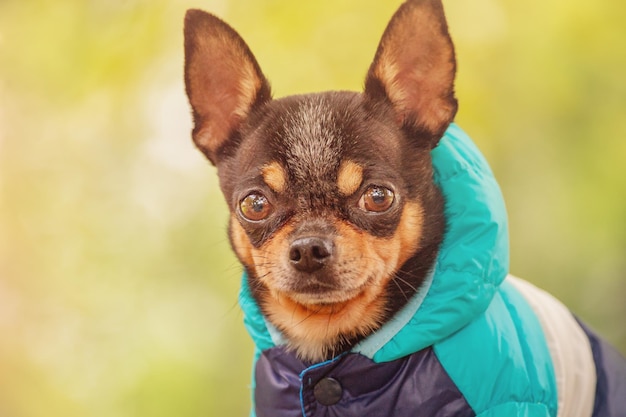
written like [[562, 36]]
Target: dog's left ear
[[414, 69]]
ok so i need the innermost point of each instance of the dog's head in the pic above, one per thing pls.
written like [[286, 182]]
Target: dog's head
[[334, 213]]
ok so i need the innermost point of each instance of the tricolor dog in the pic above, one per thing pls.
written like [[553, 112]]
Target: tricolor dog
[[374, 241]]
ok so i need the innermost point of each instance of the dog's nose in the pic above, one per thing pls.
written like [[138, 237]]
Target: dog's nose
[[308, 254]]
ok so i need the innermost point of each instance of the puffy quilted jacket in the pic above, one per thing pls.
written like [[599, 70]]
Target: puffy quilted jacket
[[474, 341]]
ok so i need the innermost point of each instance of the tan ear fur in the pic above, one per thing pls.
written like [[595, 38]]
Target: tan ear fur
[[222, 79], [415, 66]]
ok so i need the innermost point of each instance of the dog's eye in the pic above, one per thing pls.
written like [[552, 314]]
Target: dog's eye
[[255, 207], [376, 199]]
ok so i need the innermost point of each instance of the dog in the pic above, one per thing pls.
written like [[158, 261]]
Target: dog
[[374, 242]]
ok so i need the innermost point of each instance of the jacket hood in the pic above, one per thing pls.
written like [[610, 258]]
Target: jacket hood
[[472, 262]]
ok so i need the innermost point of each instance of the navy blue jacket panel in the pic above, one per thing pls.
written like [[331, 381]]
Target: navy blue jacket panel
[[354, 385]]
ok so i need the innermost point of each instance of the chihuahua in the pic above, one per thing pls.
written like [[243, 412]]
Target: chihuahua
[[334, 210], [334, 213]]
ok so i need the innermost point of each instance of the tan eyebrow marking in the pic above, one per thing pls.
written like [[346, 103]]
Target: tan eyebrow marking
[[274, 176], [349, 178]]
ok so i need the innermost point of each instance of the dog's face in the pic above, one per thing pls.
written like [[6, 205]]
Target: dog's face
[[334, 213]]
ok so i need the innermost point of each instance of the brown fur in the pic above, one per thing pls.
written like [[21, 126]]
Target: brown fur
[[349, 178], [275, 177]]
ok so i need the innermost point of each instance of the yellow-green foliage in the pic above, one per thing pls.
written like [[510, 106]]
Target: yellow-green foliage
[[117, 287]]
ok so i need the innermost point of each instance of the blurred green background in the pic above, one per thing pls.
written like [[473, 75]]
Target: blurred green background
[[117, 286]]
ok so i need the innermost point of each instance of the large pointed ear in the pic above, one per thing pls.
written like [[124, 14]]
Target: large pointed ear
[[414, 69], [222, 79]]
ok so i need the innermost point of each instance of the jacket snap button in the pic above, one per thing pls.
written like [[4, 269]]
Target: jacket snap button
[[328, 391]]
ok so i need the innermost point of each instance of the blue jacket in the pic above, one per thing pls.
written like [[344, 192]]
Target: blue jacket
[[473, 341]]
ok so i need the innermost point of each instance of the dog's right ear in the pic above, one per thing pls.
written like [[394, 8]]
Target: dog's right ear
[[222, 79]]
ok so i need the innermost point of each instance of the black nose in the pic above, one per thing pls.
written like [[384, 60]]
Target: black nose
[[308, 254]]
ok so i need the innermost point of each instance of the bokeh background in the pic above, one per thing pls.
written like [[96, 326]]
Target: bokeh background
[[118, 291]]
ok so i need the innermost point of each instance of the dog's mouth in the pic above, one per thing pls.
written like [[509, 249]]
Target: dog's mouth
[[321, 296]]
